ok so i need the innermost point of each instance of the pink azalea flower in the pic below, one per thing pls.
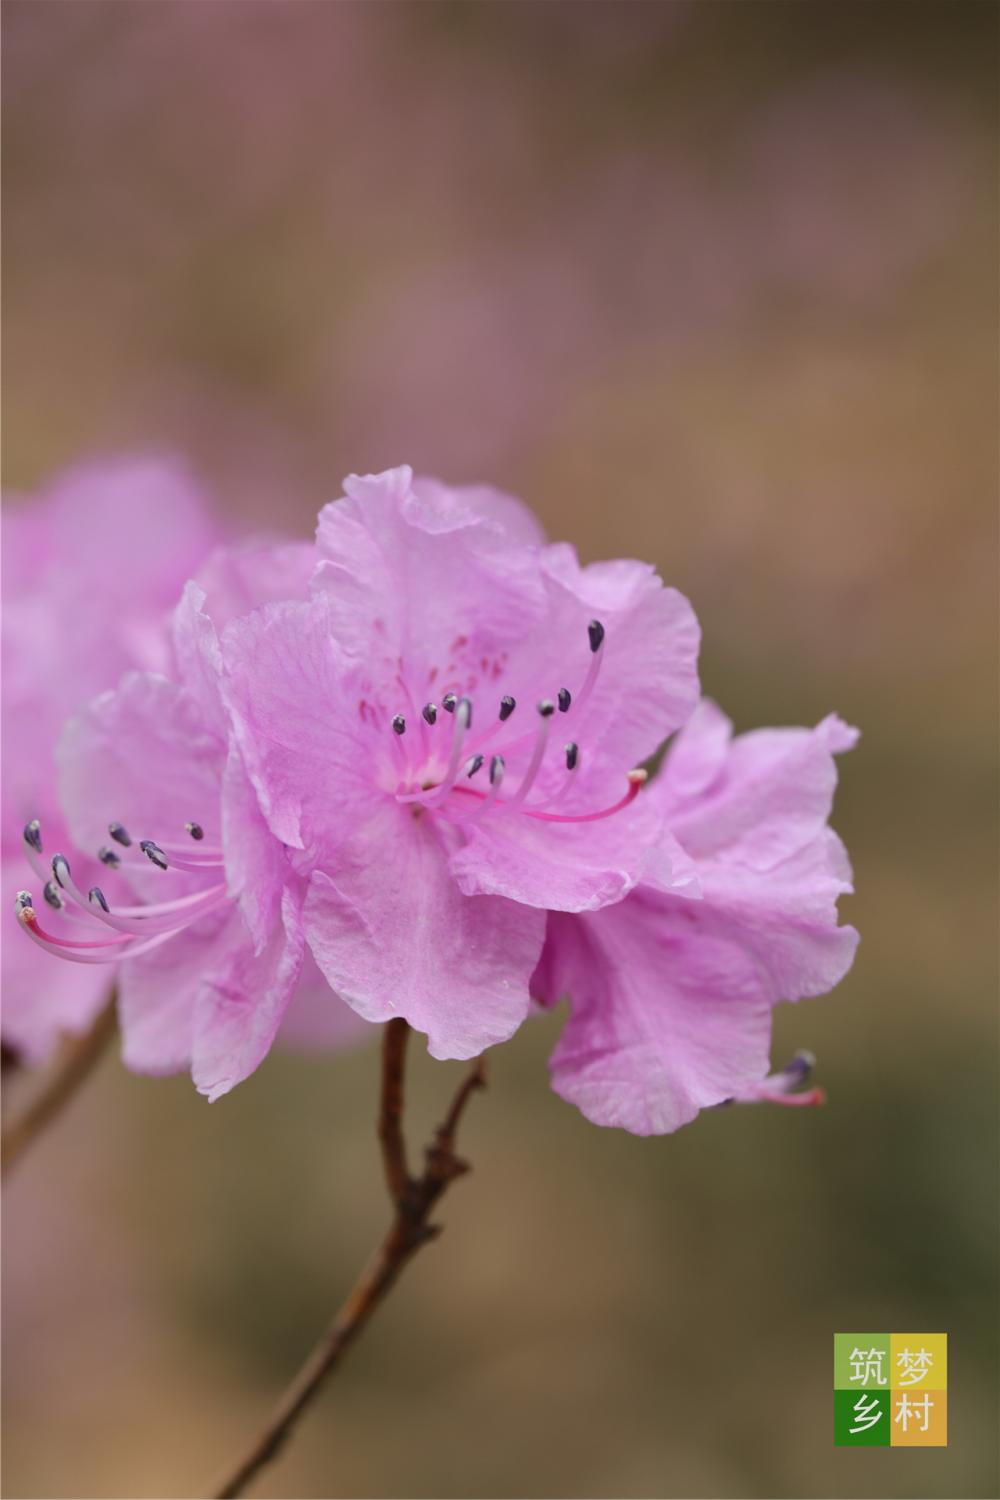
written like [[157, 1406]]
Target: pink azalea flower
[[446, 735], [91, 568], [671, 992], [203, 921]]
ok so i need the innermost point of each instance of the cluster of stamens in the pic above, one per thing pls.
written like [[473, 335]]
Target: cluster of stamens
[[128, 931], [449, 793]]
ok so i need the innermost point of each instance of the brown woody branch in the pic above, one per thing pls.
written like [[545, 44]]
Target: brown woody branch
[[76, 1061], [413, 1199]]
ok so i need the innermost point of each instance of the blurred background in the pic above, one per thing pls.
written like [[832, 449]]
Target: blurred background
[[711, 284]]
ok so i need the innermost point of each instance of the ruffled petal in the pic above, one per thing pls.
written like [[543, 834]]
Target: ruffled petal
[[257, 868], [143, 756], [770, 795], [158, 993], [419, 579], [668, 1014], [648, 683], [240, 1005], [236, 580], [304, 739], [204, 1001], [318, 1018], [394, 936], [508, 514], [560, 866], [233, 581], [197, 657], [787, 917]]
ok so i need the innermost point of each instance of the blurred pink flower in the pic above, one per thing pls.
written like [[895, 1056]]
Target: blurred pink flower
[[91, 568], [670, 992], [382, 726]]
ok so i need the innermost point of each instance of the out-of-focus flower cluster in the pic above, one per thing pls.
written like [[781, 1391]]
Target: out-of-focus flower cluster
[[397, 771]]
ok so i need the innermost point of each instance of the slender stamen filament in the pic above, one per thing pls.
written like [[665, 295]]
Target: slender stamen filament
[[545, 711], [497, 769], [153, 918], [178, 904], [110, 950], [507, 707], [434, 789], [595, 633], [201, 854], [168, 858], [463, 718], [636, 780], [568, 704], [572, 754], [58, 942], [135, 929]]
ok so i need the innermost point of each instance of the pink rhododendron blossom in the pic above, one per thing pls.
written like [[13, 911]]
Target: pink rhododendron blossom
[[671, 992], [446, 734], [91, 570], [408, 760], [199, 906]]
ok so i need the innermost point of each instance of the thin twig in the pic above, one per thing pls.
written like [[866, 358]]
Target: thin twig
[[390, 1119], [78, 1058], [412, 1198]]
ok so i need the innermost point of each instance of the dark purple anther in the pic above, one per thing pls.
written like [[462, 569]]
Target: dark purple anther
[[154, 854]]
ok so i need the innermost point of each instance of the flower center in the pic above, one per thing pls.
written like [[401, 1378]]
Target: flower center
[[447, 748]]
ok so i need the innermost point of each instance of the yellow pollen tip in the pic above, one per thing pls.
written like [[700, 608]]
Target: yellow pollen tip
[[638, 777]]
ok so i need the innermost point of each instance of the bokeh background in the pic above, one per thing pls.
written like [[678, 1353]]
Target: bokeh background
[[708, 283]]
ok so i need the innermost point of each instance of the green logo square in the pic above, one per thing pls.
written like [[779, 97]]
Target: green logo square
[[861, 1419], [861, 1361]]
